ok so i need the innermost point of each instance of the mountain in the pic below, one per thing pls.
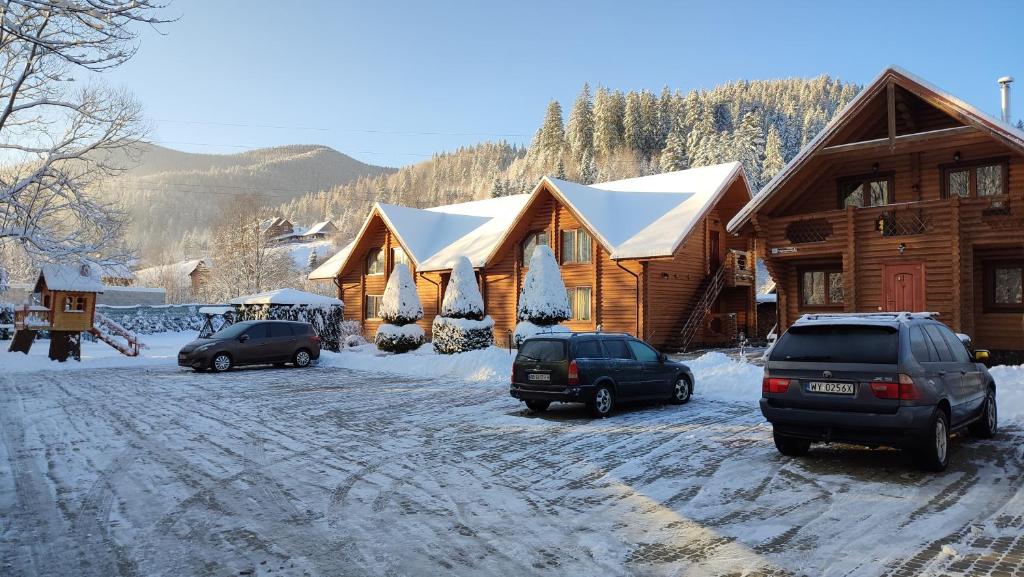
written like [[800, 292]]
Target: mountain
[[607, 135], [168, 192]]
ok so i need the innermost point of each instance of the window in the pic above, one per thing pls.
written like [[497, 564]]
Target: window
[[74, 304], [373, 306], [1004, 286], [921, 346], [870, 190], [956, 346], [981, 179], [617, 349], [939, 343], [398, 256], [643, 352], [579, 302], [280, 330], [375, 262], [576, 246], [821, 288], [258, 331], [588, 350], [531, 242], [542, 350]]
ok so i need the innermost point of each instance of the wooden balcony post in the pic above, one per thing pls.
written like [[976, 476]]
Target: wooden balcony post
[[850, 263], [957, 245]]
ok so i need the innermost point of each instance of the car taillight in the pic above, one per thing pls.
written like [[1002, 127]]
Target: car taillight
[[574, 374], [774, 385], [903, 390], [908, 391], [315, 338]]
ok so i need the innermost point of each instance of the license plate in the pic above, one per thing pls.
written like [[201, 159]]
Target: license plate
[[539, 377], [830, 388]]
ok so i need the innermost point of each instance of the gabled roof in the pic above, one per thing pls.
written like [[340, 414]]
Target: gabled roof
[[285, 296], [181, 269], [324, 227], [966, 113], [435, 237], [648, 216], [70, 278]]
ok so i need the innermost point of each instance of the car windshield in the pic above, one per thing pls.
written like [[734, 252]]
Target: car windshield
[[233, 331], [838, 344], [542, 351]]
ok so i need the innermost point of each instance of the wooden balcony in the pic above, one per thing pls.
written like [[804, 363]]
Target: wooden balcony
[[33, 317], [739, 268]]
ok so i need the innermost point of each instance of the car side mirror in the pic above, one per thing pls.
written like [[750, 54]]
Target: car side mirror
[[243, 338], [662, 357], [981, 355]]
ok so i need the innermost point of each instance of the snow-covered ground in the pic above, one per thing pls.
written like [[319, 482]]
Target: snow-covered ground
[[421, 464]]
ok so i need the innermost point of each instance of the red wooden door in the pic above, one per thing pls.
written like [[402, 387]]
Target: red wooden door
[[716, 250], [904, 287]]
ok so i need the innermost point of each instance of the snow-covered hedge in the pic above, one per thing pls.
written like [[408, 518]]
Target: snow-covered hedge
[[543, 302], [400, 308], [328, 320], [399, 338], [461, 335], [462, 326], [152, 319]]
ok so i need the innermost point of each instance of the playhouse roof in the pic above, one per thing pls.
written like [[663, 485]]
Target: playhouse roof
[[60, 277]]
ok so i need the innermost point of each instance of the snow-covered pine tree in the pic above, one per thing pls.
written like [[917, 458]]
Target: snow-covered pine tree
[[552, 133], [462, 326], [632, 122], [579, 133], [607, 121], [673, 157], [773, 159], [543, 302], [588, 169], [748, 145], [313, 261], [400, 308]]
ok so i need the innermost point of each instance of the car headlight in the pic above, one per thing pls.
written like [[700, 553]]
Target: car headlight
[[203, 348]]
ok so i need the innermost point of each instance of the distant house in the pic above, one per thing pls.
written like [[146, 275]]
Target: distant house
[[647, 256], [184, 279], [276, 228], [909, 200], [117, 275], [320, 231]]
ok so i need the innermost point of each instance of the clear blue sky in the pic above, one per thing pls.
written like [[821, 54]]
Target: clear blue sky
[[392, 82]]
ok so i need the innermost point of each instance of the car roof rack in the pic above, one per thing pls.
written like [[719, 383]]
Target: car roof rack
[[896, 316]]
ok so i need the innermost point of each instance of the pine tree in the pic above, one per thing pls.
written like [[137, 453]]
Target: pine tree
[[773, 159], [673, 157], [588, 169], [313, 260], [579, 133], [400, 308], [498, 188], [632, 123], [543, 301], [748, 145], [552, 133], [560, 169], [462, 326]]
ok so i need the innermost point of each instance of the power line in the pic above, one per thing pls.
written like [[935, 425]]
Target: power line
[[337, 129]]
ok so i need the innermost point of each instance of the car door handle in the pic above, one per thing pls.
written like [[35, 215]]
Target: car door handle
[[942, 373]]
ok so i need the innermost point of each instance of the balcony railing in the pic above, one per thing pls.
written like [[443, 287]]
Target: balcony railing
[[33, 317], [739, 268]]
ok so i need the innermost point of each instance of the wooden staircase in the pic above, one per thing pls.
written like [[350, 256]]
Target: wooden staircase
[[107, 330], [705, 298]]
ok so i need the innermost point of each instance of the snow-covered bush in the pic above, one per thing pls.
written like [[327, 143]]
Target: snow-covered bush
[[151, 319], [543, 301], [400, 308], [352, 341], [462, 326], [526, 329]]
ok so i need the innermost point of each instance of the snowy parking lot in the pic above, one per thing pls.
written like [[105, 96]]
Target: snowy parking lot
[[153, 470]]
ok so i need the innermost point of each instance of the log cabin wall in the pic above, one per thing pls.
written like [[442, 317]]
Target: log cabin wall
[[71, 320], [953, 240]]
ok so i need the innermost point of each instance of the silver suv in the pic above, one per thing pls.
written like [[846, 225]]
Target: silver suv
[[895, 379]]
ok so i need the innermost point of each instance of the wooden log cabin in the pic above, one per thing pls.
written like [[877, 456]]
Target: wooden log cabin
[[647, 256], [909, 200]]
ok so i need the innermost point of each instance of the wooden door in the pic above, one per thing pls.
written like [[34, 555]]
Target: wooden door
[[904, 287], [715, 255]]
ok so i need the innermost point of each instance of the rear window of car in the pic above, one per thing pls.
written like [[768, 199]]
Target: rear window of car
[[540, 350], [588, 350], [838, 344]]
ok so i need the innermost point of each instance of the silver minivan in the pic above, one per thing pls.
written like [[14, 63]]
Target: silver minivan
[[878, 379]]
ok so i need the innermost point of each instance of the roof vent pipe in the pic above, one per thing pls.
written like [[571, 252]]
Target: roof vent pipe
[[1004, 93]]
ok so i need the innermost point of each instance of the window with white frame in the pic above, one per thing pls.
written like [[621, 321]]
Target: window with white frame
[[579, 302], [373, 306], [576, 246]]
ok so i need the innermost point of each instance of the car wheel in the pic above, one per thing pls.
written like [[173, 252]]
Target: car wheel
[[986, 426], [220, 362], [791, 446], [604, 401], [681, 391], [538, 406], [933, 453], [302, 358]]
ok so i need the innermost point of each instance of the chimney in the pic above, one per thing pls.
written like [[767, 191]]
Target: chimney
[[1004, 93]]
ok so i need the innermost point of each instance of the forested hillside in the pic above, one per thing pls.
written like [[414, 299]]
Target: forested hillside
[[606, 135]]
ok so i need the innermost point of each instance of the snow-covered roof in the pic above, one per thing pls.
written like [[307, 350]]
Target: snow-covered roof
[[179, 269], [60, 277], [285, 296], [969, 114], [332, 266], [765, 282], [648, 216], [118, 271], [324, 227], [435, 237]]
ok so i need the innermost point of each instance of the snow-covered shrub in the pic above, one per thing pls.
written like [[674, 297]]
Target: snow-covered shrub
[[354, 341], [462, 326], [151, 319], [526, 329], [543, 301], [399, 338], [400, 308]]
